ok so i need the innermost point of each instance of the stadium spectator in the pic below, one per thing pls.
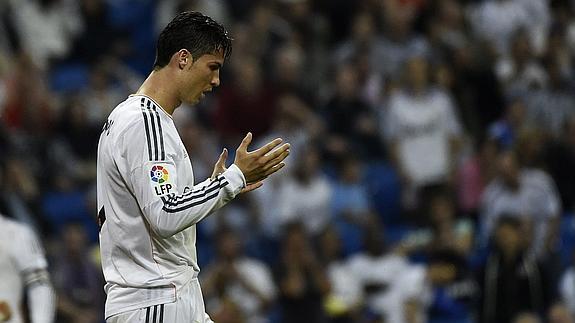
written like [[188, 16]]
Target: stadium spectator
[[301, 280], [47, 28], [306, 195], [473, 175], [297, 123], [400, 40], [351, 208], [496, 21], [344, 301], [24, 275], [506, 130], [447, 231], [300, 126], [364, 39], [97, 32], [77, 278], [550, 107], [559, 313], [288, 72], [511, 281], [235, 278], [247, 104], [351, 125], [520, 71], [529, 194], [475, 86], [453, 287], [422, 131], [559, 154], [378, 270]]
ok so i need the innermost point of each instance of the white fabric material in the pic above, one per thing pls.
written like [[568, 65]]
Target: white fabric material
[[567, 289], [258, 276], [46, 32], [42, 300], [401, 282], [308, 203], [146, 189], [188, 307], [497, 21], [536, 199], [21, 256], [345, 287], [422, 127]]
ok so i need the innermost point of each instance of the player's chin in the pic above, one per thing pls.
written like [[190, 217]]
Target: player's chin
[[193, 101], [198, 98]]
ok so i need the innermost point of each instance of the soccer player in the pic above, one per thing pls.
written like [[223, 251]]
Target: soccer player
[[148, 201], [23, 267]]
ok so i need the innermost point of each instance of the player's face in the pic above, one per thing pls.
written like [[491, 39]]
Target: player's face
[[201, 76]]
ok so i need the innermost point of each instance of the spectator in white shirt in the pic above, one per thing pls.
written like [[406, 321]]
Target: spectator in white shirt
[[46, 27], [343, 302], [377, 270], [422, 130], [306, 196], [526, 193], [232, 276], [497, 20]]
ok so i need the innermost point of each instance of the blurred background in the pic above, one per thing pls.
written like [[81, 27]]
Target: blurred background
[[432, 174]]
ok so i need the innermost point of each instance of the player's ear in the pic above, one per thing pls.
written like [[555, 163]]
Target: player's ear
[[184, 58]]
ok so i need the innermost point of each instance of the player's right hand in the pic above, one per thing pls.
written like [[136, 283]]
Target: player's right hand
[[5, 313], [258, 164]]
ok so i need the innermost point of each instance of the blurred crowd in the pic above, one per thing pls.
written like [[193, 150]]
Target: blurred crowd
[[432, 174]]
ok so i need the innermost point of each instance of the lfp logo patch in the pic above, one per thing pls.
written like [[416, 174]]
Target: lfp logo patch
[[159, 174]]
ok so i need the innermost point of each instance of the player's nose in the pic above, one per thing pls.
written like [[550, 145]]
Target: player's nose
[[215, 80]]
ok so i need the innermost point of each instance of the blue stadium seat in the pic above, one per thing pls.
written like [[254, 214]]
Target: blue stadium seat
[[69, 78]]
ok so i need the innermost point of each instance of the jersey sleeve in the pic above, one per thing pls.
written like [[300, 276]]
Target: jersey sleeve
[[153, 177], [29, 254]]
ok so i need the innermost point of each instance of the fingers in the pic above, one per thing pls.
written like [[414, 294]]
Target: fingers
[[268, 147], [245, 142], [223, 157], [276, 153], [265, 173], [252, 186], [220, 165], [278, 159], [272, 170]]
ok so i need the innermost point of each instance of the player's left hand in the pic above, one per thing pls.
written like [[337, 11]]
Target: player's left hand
[[220, 167]]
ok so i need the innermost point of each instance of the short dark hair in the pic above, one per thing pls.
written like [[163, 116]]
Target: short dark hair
[[194, 31]]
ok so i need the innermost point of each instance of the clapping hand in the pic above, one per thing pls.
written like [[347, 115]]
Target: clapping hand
[[256, 165]]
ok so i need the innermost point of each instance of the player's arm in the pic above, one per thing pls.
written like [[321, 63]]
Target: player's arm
[[170, 209], [32, 265]]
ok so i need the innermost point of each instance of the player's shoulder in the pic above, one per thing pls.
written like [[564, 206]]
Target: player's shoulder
[[138, 115], [128, 110]]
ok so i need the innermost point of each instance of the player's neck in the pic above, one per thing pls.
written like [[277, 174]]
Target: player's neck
[[155, 88]]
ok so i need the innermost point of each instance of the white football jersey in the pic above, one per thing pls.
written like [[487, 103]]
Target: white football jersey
[[148, 205], [20, 254]]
